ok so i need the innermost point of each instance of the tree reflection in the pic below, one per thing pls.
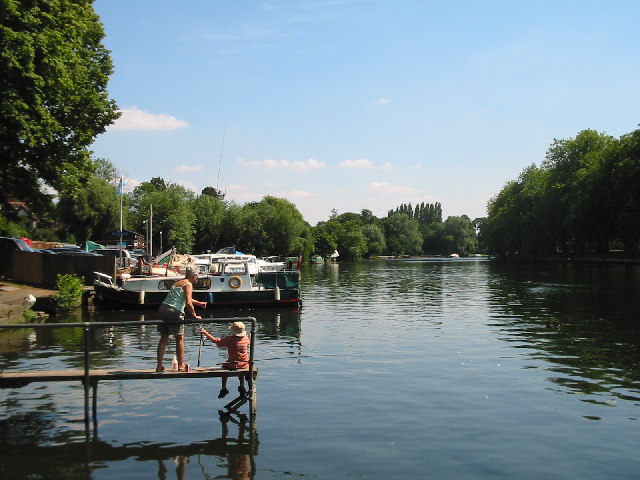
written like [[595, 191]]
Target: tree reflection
[[580, 319]]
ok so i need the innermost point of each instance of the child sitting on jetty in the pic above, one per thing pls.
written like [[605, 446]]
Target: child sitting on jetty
[[237, 345]]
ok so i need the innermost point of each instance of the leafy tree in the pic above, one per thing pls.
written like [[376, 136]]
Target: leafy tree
[[230, 228], [368, 218], [273, 226], [213, 192], [568, 163], [105, 169], [53, 96], [173, 212], [209, 215], [625, 186], [352, 243], [434, 240], [324, 239], [402, 234], [428, 213], [461, 235], [92, 213], [374, 237]]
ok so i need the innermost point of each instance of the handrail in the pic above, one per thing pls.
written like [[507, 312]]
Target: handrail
[[88, 325]]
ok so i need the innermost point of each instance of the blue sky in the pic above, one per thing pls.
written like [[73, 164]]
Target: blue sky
[[353, 104]]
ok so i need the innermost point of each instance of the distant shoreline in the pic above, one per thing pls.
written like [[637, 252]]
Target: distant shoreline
[[610, 259]]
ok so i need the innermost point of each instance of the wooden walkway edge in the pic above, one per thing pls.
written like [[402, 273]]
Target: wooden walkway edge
[[19, 379]]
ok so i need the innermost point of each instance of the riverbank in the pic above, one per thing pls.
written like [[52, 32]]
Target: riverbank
[[610, 258], [12, 297]]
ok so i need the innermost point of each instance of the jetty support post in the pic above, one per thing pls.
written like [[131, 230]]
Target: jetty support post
[[87, 385]]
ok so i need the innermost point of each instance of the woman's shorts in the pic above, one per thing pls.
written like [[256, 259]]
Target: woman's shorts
[[169, 313]]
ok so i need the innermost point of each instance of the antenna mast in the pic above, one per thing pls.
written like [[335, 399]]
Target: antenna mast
[[220, 161]]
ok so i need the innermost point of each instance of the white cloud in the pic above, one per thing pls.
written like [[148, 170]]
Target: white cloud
[[136, 119], [298, 194], [298, 165], [364, 163], [360, 163], [384, 188], [190, 186], [188, 168], [129, 183], [382, 101]]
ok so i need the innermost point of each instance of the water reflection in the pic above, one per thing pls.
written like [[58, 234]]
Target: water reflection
[[440, 353], [111, 345], [579, 319], [230, 455]]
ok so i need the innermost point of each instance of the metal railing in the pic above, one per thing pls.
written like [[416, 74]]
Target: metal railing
[[88, 326]]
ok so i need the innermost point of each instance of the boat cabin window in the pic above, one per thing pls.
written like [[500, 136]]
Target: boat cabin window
[[202, 283], [235, 269], [166, 284]]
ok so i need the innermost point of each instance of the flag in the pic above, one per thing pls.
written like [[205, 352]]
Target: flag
[[120, 186]]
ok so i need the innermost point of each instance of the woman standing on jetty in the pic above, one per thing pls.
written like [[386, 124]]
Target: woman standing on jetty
[[172, 310]]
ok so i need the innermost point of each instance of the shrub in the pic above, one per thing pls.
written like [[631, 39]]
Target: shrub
[[29, 316], [69, 291]]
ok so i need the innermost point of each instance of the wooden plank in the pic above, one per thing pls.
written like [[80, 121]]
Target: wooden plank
[[14, 379]]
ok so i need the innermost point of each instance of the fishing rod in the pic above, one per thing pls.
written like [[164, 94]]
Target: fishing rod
[[296, 356], [201, 343], [302, 356]]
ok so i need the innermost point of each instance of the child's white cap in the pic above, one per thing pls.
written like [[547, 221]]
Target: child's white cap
[[237, 329]]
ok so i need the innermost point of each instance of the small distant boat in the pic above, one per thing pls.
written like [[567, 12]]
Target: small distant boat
[[317, 259]]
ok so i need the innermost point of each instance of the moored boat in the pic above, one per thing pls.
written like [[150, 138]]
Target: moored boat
[[234, 284]]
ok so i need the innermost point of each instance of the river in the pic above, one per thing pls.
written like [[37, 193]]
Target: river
[[447, 369]]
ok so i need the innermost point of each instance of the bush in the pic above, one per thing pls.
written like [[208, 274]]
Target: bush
[[29, 316], [69, 291]]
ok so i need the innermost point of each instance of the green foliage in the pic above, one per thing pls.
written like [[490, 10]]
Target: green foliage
[[213, 192], [29, 316], [209, 215], [69, 291], [53, 96], [324, 240], [583, 198], [402, 234], [273, 226], [93, 212], [374, 237], [173, 213], [461, 235]]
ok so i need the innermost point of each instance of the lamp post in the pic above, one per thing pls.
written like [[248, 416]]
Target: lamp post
[[146, 238], [160, 241]]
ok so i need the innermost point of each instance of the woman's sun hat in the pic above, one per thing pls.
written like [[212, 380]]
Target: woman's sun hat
[[237, 329]]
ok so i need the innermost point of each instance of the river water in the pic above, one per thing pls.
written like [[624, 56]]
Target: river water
[[450, 369]]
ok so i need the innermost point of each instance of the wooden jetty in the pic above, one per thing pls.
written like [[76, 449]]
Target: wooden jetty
[[90, 377]]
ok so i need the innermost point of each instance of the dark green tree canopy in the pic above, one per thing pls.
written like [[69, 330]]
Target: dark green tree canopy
[[54, 72], [582, 199]]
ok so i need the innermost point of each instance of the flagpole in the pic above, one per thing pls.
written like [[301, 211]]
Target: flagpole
[[151, 232], [121, 224]]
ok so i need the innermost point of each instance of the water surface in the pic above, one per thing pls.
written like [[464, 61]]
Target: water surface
[[400, 369]]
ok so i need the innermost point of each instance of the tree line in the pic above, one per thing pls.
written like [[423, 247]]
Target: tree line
[[583, 198], [273, 226]]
